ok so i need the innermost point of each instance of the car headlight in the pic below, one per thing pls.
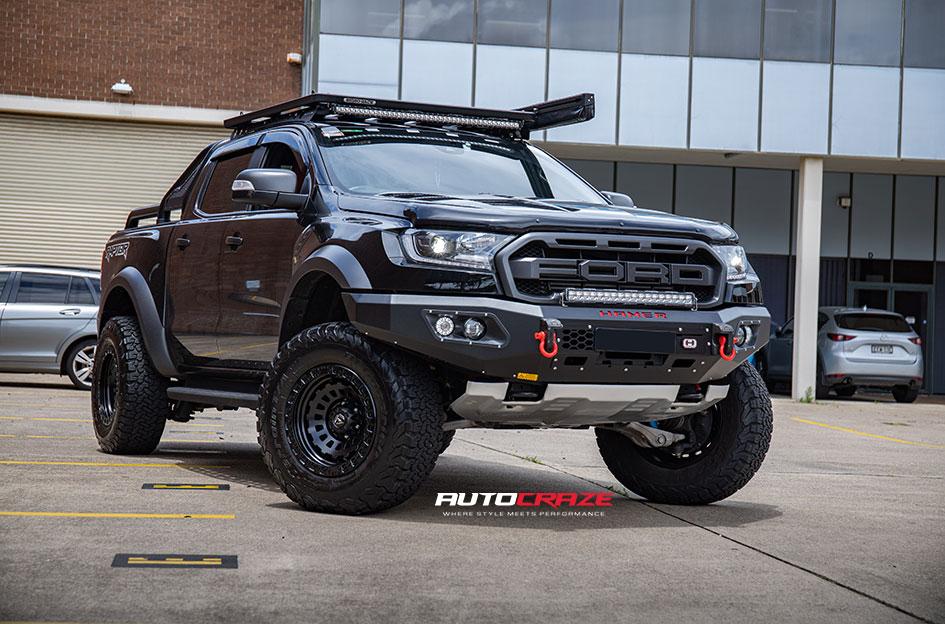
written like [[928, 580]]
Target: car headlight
[[471, 250], [736, 263]]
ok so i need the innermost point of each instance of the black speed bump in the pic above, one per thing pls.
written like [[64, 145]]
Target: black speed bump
[[185, 486], [126, 560]]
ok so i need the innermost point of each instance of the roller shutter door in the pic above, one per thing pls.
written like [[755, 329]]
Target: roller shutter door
[[67, 184]]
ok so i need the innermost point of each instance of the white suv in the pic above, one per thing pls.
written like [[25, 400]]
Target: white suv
[[856, 347]]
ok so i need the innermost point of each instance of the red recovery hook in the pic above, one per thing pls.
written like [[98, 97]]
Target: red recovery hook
[[547, 337], [728, 357]]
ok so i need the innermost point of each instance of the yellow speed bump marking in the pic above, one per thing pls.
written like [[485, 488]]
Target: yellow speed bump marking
[[137, 516], [122, 560], [17, 462], [864, 434]]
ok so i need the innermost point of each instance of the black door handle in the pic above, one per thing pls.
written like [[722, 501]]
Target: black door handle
[[183, 242], [234, 241]]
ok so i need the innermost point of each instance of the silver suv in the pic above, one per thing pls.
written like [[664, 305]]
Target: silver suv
[[47, 321], [856, 347]]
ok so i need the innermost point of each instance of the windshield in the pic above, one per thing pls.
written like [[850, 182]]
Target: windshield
[[873, 322], [372, 161]]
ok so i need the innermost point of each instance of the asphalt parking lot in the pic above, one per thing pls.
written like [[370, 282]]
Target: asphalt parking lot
[[844, 522]]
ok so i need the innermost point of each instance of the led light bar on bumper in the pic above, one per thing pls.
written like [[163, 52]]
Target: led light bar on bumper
[[653, 298]]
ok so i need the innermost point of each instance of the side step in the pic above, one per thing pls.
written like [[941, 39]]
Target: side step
[[215, 398]]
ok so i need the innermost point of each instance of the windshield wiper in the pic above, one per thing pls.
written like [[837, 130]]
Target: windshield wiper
[[416, 195]]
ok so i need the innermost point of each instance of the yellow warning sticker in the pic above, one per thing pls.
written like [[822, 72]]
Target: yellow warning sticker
[[527, 376]]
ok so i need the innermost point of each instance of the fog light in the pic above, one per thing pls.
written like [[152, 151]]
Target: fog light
[[743, 336], [474, 329], [444, 326]]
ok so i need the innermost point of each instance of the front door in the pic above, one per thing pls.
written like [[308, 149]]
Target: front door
[[257, 263], [194, 255]]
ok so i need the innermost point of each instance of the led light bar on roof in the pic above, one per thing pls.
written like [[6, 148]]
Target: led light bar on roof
[[654, 298], [431, 118]]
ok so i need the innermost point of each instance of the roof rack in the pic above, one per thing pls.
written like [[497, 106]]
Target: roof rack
[[518, 123]]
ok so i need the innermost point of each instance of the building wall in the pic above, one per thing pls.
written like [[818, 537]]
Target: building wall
[[200, 53], [785, 76]]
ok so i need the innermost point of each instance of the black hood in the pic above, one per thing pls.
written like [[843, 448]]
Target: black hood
[[519, 215]]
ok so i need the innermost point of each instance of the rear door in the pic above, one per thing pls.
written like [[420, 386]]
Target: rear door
[[195, 252], [43, 312]]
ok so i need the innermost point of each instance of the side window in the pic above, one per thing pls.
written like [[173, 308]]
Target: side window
[[218, 197], [79, 292], [42, 288], [4, 278], [821, 320], [281, 156]]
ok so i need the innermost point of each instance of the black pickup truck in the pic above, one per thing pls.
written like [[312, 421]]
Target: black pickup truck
[[372, 275]]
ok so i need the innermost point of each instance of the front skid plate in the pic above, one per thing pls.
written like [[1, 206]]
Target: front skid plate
[[572, 405]]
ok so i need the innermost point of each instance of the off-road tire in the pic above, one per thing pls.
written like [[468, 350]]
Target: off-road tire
[[129, 419], [745, 420], [407, 427], [70, 356], [905, 394]]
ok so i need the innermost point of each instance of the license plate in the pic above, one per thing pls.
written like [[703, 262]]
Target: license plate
[[634, 341], [885, 349]]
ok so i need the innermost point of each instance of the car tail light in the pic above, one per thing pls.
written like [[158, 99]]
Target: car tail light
[[840, 337], [916, 341]]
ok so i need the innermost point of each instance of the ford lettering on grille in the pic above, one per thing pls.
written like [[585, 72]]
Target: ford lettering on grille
[[614, 271]]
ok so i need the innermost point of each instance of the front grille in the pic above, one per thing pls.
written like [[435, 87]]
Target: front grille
[[577, 340], [539, 267]]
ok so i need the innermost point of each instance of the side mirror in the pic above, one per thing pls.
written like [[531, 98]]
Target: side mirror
[[619, 199], [775, 330], [274, 188]]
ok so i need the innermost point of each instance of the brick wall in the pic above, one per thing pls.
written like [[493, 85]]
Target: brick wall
[[207, 53]]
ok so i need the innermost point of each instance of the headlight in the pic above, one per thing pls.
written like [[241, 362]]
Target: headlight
[[472, 250], [736, 263]]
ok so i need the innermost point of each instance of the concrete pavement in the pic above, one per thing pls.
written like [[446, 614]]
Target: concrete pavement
[[843, 523]]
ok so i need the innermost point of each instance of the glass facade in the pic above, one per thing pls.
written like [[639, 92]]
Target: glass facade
[[830, 77]]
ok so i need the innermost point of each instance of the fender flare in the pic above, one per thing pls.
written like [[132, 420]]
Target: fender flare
[[336, 262], [152, 329]]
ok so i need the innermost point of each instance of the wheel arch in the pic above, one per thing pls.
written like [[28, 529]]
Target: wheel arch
[[315, 299], [129, 294], [322, 277], [67, 346]]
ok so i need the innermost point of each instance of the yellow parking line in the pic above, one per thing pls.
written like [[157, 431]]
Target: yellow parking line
[[10, 418], [83, 514], [867, 435], [17, 462]]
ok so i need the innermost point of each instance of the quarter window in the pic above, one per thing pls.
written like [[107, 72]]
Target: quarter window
[[41, 288]]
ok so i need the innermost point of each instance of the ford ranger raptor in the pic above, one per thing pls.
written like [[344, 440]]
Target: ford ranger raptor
[[371, 276]]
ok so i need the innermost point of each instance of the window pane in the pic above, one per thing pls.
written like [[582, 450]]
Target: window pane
[[362, 66], [582, 25], [380, 18], [656, 26], [868, 32], [219, 194], [39, 288], [513, 22], [728, 28], [798, 30], [79, 293], [3, 282], [439, 20], [925, 25]]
